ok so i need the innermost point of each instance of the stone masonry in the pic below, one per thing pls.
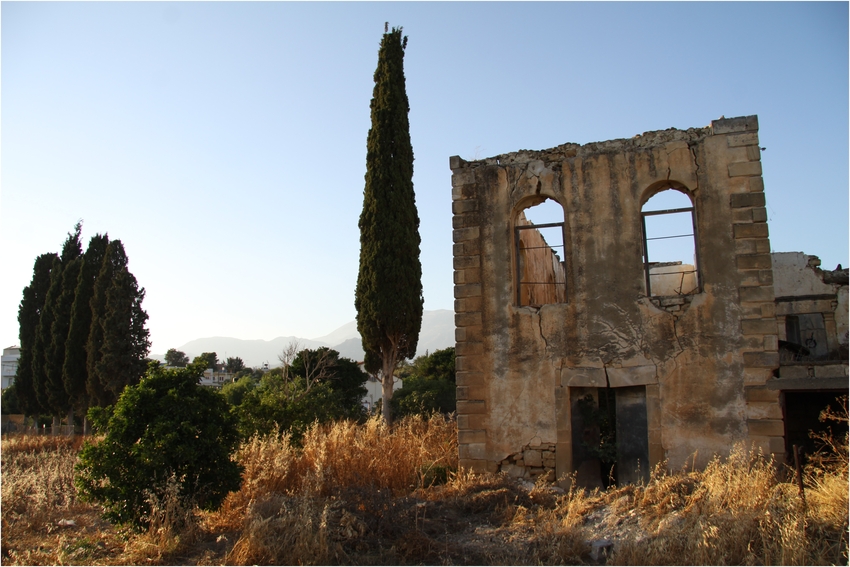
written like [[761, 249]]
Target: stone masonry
[[688, 373]]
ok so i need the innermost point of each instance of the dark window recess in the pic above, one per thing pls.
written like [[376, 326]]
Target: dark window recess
[[805, 339]]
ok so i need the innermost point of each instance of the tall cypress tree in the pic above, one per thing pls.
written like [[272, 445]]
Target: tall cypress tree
[[54, 324], [55, 356], [74, 371], [114, 260], [43, 338], [388, 297], [125, 338], [29, 315]]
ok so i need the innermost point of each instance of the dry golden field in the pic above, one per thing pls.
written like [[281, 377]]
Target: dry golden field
[[364, 494]]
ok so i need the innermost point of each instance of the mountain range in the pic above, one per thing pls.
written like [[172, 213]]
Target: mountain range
[[437, 332]]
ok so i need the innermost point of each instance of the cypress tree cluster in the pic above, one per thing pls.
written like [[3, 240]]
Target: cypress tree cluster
[[388, 297], [79, 311]]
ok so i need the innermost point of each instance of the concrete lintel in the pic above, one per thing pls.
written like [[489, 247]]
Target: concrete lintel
[[632, 376], [586, 377]]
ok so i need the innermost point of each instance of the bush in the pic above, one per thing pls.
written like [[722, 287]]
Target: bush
[[429, 385], [165, 429], [315, 386]]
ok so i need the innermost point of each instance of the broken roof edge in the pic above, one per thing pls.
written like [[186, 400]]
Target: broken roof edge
[[646, 140]]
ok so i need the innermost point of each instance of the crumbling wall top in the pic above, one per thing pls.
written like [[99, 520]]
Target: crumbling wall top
[[645, 140]]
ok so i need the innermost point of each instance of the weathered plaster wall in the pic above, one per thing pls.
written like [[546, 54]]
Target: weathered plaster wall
[[795, 274], [703, 367]]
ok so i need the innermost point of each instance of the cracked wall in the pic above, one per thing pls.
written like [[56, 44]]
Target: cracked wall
[[693, 359]]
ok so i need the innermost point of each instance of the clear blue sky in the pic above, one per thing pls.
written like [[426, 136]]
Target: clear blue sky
[[225, 143]]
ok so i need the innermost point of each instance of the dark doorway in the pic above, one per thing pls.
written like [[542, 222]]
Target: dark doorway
[[632, 437], [610, 438], [802, 412]]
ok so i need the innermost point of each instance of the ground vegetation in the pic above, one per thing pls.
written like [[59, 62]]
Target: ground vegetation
[[337, 498], [311, 385]]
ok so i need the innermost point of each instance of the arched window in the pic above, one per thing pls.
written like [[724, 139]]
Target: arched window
[[539, 251], [670, 252]]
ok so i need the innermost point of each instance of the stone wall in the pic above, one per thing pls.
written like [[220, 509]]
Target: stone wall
[[692, 375]]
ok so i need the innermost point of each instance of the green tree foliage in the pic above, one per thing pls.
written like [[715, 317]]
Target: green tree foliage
[[235, 392], [43, 339], [114, 259], [234, 364], [82, 329], [209, 359], [29, 315], [344, 378], [118, 340], [166, 428], [75, 371], [388, 297], [429, 385], [176, 358], [125, 338], [65, 282], [9, 400], [314, 385]]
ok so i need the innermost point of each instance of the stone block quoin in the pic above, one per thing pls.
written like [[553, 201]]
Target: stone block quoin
[[471, 406], [754, 265]]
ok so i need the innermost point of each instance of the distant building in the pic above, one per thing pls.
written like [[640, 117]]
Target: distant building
[[215, 379], [10, 359], [211, 377]]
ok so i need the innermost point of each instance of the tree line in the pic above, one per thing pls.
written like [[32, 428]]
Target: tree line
[[178, 359], [83, 334]]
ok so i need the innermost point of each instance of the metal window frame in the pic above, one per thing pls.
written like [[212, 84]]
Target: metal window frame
[[518, 269], [693, 235]]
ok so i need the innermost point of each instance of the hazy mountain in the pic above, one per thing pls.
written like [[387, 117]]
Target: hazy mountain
[[253, 352], [351, 348], [438, 331], [344, 333]]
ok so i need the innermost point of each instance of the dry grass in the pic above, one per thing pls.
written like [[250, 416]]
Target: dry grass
[[346, 454], [304, 506], [38, 500], [359, 494]]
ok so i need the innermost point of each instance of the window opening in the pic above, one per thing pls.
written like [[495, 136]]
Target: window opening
[[539, 247], [805, 339], [670, 259]]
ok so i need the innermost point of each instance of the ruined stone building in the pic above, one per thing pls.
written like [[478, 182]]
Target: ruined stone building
[[588, 343]]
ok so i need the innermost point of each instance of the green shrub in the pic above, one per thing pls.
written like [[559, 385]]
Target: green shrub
[[166, 429], [316, 385], [429, 385]]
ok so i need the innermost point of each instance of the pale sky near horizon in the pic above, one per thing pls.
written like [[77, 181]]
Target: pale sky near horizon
[[225, 143]]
